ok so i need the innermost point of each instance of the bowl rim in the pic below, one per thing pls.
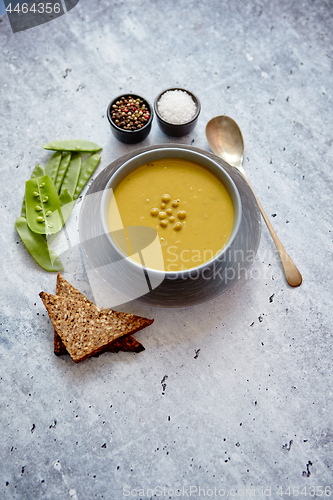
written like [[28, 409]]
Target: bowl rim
[[124, 131], [106, 195], [195, 99]]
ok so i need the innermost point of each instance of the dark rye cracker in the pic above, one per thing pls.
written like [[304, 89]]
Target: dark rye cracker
[[65, 289], [84, 328]]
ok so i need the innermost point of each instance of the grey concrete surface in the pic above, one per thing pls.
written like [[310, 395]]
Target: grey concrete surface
[[233, 397]]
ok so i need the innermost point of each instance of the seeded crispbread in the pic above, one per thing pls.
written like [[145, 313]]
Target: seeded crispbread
[[65, 289], [84, 328]]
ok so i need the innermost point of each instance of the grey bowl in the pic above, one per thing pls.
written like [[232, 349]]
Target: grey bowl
[[130, 136], [177, 129], [184, 289], [149, 156]]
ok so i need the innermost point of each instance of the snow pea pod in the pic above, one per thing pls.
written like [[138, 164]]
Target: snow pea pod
[[38, 247], [62, 170], [87, 169], [66, 206], [38, 171], [52, 165], [76, 145], [72, 175], [43, 205], [67, 203]]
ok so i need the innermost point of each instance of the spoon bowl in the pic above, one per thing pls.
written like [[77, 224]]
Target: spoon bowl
[[226, 141]]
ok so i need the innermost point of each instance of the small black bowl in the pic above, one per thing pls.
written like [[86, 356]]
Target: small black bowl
[[130, 136], [177, 129]]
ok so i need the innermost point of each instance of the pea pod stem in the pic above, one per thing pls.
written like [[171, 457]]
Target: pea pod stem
[[38, 247]]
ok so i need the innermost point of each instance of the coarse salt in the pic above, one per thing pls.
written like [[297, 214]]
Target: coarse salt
[[176, 106]]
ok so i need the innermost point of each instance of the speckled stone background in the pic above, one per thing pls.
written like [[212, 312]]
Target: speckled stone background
[[233, 396]]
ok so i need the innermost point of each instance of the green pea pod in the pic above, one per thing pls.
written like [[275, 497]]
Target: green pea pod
[[38, 171], [52, 165], [38, 247], [76, 145], [42, 204], [67, 203], [62, 170], [87, 169], [72, 175]]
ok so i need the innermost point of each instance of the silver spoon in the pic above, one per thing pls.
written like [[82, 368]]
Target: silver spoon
[[226, 141]]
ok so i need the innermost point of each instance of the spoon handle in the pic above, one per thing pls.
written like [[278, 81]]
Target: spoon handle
[[293, 275]]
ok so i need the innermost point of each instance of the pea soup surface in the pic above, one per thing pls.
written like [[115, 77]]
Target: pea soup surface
[[189, 206]]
